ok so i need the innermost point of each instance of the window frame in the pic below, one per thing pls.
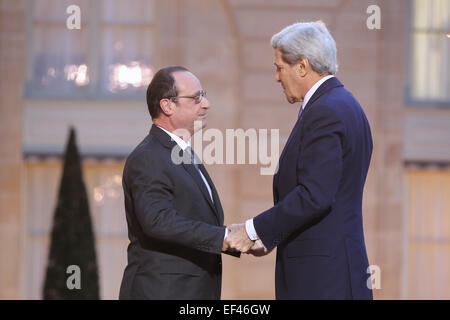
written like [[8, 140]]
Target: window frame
[[94, 88], [409, 99]]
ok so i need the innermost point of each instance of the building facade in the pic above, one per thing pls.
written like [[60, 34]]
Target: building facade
[[94, 79]]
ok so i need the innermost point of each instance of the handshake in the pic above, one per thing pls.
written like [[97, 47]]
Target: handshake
[[238, 240]]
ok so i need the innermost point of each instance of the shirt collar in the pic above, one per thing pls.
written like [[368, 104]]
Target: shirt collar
[[313, 89], [181, 143]]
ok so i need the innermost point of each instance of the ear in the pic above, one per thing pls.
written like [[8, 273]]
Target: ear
[[301, 67], [167, 106]]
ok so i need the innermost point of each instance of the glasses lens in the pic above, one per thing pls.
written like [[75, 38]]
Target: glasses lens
[[200, 96]]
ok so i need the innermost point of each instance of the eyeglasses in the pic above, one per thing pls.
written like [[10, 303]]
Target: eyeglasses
[[197, 97]]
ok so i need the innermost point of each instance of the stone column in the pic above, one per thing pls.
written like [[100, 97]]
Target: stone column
[[12, 70]]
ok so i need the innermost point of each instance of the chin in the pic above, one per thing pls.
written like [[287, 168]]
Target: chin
[[291, 100]]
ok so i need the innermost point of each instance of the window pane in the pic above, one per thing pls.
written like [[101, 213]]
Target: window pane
[[431, 67], [421, 15], [127, 60], [430, 64], [125, 11], [431, 14], [419, 65], [435, 66], [74, 63], [440, 14], [60, 60]]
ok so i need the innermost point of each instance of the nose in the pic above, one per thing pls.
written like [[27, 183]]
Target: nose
[[205, 103]]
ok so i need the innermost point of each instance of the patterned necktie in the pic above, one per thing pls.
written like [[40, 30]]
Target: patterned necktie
[[192, 157], [300, 112]]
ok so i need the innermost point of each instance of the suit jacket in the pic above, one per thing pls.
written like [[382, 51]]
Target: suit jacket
[[316, 222], [176, 232]]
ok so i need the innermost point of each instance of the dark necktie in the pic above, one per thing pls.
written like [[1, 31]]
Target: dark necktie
[[300, 112], [193, 157], [199, 166]]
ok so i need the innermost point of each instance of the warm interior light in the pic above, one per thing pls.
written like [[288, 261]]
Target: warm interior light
[[82, 78], [111, 188], [78, 74], [135, 74]]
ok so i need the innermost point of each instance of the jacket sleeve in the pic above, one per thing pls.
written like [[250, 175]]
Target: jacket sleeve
[[318, 174], [151, 191]]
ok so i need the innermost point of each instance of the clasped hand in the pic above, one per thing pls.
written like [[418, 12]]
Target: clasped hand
[[238, 240]]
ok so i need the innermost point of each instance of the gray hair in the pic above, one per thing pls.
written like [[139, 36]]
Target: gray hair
[[310, 40]]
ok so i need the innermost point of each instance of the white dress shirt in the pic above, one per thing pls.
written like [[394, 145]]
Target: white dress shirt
[[249, 226]]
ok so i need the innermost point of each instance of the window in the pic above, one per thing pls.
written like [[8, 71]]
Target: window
[[430, 41], [428, 233], [110, 56]]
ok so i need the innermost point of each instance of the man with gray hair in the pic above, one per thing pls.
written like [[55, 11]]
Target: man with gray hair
[[316, 221]]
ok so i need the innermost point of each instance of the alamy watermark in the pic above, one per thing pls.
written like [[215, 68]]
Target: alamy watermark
[[232, 149], [74, 19], [374, 280], [74, 280], [374, 20]]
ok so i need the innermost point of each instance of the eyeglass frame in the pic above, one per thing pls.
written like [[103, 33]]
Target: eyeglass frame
[[201, 94]]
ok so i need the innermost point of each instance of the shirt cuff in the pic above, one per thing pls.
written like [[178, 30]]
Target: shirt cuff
[[250, 228], [226, 233]]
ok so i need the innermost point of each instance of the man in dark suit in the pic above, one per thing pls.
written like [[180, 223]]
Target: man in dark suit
[[174, 216], [316, 221]]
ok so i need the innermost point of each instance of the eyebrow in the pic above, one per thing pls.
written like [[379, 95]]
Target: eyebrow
[[195, 94]]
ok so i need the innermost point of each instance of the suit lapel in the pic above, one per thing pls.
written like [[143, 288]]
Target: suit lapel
[[291, 137], [199, 181], [323, 88], [162, 137], [217, 204], [167, 142]]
